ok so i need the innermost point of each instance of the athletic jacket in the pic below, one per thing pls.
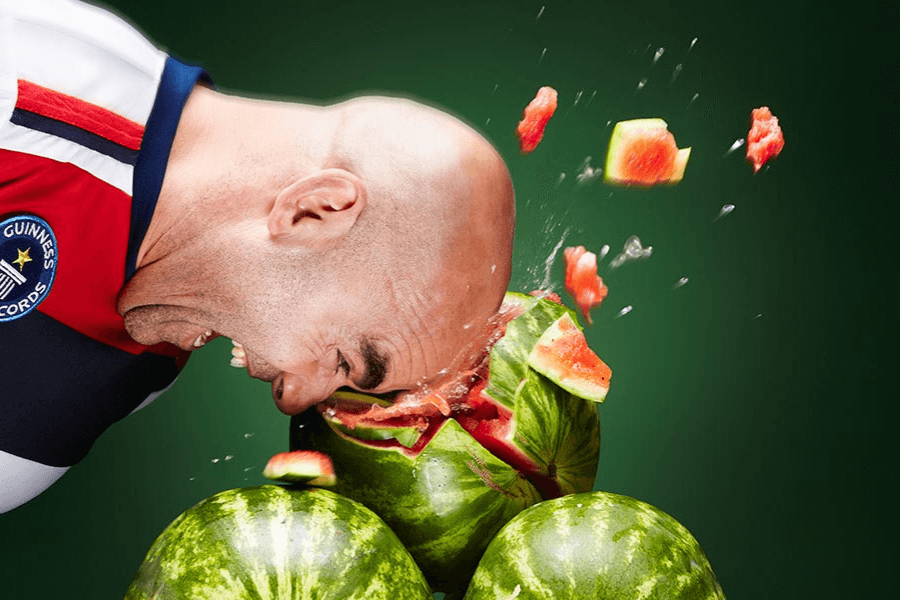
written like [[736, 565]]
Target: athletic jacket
[[88, 113]]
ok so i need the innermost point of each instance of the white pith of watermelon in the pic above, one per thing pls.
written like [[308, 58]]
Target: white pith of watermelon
[[642, 152]]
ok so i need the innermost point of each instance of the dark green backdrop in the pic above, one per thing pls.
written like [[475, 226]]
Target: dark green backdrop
[[743, 402]]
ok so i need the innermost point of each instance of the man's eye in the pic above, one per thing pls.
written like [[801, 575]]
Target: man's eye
[[342, 364]]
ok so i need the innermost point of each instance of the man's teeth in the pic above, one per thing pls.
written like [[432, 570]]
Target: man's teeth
[[202, 339], [238, 358]]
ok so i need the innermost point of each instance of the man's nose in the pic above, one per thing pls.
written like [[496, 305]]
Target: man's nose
[[295, 393]]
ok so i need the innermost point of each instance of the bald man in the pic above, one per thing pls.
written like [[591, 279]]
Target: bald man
[[360, 244]]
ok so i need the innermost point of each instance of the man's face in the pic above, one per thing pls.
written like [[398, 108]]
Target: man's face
[[370, 341]]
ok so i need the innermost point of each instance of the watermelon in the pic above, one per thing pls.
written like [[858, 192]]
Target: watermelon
[[582, 282], [534, 119], [520, 426], [301, 466], [270, 542], [642, 152], [596, 545], [765, 139]]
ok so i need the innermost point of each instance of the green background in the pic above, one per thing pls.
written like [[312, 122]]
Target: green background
[[748, 403]]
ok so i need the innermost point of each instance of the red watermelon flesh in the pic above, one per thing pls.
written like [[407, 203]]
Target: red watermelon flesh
[[765, 139], [534, 119]]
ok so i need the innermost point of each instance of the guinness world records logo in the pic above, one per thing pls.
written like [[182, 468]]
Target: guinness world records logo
[[28, 260]]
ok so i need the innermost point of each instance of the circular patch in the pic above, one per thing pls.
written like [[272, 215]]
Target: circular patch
[[28, 258]]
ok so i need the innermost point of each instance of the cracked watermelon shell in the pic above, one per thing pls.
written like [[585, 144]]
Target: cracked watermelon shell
[[597, 546], [503, 437], [271, 542]]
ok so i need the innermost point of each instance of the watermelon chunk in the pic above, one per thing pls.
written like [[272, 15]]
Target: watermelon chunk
[[765, 140], [534, 119], [642, 152], [582, 281], [563, 356], [301, 466]]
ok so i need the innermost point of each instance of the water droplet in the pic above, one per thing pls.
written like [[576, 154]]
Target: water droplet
[[631, 251], [540, 12], [680, 283], [725, 210], [587, 173], [757, 316], [560, 179], [603, 251], [249, 434], [737, 144], [543, 52], [624, 311], [577, 97], [496, 85], [641, 85], [545, 284], [214, 461], [676, 72], [693, 99], [228, 457], [493, 268], [191, 478], [693, 41], [248, 469], [658, 55], [488, 121], [588, 103], [579, 505]]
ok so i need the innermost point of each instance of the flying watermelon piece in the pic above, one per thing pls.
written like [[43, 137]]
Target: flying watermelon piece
[[563, 356], [582, 281], [301, 466], [765, 140], [642, 152], [535, 117]]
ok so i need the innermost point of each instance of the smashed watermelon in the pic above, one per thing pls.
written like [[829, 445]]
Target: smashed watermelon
[[642, 152], [520, 425]]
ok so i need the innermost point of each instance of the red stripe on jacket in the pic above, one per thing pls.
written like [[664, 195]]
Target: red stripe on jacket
[[91, 221], [81, 114]]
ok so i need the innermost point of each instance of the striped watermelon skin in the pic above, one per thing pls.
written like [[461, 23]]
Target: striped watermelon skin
[[271, 542], [594, 545], [445, 504]]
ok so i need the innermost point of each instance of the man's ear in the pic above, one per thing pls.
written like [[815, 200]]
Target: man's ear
[[318, 209]]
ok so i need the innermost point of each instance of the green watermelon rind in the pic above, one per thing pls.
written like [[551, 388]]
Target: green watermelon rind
[[271, 542], [594, 545], [572, 454], [509, 356]]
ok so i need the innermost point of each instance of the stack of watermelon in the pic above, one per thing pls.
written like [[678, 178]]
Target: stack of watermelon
[[485, 482]]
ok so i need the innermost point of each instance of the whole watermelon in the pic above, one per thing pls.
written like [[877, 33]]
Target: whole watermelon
[[270, 542], [596, 545], [446, 470]]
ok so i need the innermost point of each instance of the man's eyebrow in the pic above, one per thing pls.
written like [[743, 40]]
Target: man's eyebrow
[[376, 364]]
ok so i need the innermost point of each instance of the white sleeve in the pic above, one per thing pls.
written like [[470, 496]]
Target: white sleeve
[[22, 479]]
